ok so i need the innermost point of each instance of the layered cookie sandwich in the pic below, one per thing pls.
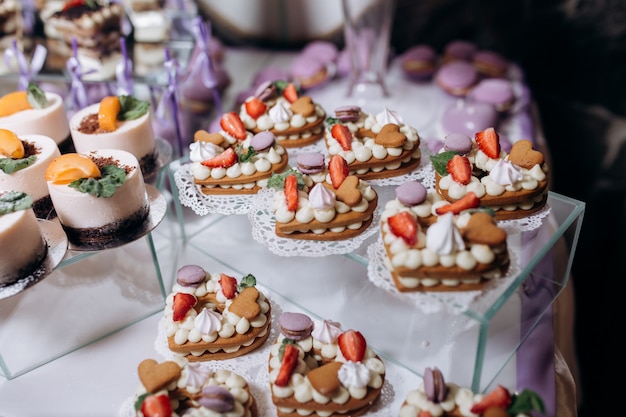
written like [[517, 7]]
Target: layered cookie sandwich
[[436, 397], [23, 163], [327, 205], [278, 107], [214, 316], [374, 146], [456, 253], [317, 368], [169, 389], [514, 185], [233, 160]]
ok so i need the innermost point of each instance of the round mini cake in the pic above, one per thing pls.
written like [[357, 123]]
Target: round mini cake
[[328, 204], [212, 316], [375, 146], [317, 368], [22, 246], [278, 107], [97, 196], [224, 164], [23, 163], [170, 389], [117, 122], [436, 397], [514, 185], [34, 112]]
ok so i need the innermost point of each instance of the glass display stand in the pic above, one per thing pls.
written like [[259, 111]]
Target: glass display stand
[[471, 347], [88, 297]]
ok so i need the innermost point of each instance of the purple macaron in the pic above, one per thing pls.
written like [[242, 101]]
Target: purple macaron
[[217, 399], [411, 193], [457, 142], [468, 118], [190, 275], [262, 141], [495, 91], [457, 77], [459, 50], [419, 62], [310, 162], [490, 64], [323, 51], [348, 113], [295, 326]]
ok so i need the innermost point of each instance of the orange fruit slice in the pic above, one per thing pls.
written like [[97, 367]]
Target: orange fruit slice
[[107, 113], [10, 145], [70, 167], [14, 102]]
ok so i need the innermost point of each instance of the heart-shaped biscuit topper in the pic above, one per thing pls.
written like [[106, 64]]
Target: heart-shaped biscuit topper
[[155, 376], [304, 106], [204, 136], [522, 154], [348, 192], [245, 304], [482, 229], [390, 136], [325, 379]]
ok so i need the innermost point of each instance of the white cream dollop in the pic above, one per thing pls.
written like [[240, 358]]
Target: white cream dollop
[[354, 374], [196, 374], [201, 151], [327, 331], [280, 113], [443, 237], [321, 198], [208, 321], [387, 116], [504, 172]]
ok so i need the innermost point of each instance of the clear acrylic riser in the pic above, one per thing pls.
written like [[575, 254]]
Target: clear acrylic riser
[[472, 348], [89, 296]]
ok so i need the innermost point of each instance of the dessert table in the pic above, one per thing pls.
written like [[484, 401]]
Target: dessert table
[[481, 346]]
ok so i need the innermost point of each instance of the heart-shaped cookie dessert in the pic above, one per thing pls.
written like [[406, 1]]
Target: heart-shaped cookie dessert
[[304, 106], [522, 154], [348, 192], [155, 376], [204, 136], [245, 304], [482, 229], [390, 136]]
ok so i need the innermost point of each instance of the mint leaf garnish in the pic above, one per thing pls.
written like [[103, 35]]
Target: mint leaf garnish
[[132, 108], [105, 186], [281, 349], [13, 201], [10, 165], [525, 402], [440, 160], [245, 156], [332, 120], [247, 281], [36, 96], [278, 180]]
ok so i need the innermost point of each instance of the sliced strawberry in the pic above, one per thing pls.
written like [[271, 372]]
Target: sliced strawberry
[[488, 141], [424, 413], [500, 397], [338, 170], [343, 135], [232, 124], [229, 286], [404, 225], [183, 302], [290, 360], [460, 168], [290, 92], [291, 191], [156, 406], [468, 201], [352, 345], [224, 160], [73, 3], [255, 107]]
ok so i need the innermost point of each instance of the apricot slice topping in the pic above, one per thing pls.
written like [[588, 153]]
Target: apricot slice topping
[[107, 113], [71, 167], [10, 145], [14, 102]]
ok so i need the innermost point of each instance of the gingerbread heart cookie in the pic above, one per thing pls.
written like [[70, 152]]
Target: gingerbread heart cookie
[[303, 105], [156, 376], [390, 136], [522, 154]]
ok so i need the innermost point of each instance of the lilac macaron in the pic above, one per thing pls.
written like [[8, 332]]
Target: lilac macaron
[[295, 326], [419, 62], [411, 193], [457, 142], [495, 91], [468, 117], [262, 141], [490, 64], [459, 50], [457, 77], [323, 51], [310, 162], [217, 399], [190, 275], [348, 113]]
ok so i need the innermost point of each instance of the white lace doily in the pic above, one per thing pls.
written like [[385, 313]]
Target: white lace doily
[[264, 231], [455, 302], [529, 223], [253, 366], [190, 195]]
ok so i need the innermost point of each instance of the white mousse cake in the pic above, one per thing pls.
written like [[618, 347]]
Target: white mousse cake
[[97, 196], [23, 163], [131, 129], [22, 247], [47, 117]]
